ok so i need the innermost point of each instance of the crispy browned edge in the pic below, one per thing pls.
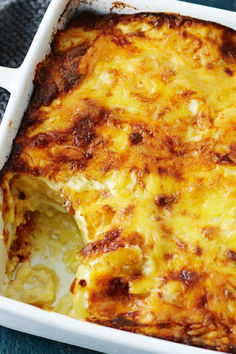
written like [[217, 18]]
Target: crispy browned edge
[[45, 89]]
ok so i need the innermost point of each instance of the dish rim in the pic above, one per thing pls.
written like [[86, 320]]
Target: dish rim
[[18, 82]]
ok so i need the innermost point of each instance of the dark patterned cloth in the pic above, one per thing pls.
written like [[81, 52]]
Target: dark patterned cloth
[[19, 20]]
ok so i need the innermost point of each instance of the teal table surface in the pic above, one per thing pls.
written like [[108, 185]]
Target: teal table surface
[[12, 342]]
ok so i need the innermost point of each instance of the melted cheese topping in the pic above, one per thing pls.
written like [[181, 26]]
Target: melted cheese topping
[[131, 131]]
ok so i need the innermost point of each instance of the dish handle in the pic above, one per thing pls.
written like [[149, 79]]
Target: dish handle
[[8, 78]]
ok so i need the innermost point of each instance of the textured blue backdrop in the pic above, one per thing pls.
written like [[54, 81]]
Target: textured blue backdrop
[[12, 54]]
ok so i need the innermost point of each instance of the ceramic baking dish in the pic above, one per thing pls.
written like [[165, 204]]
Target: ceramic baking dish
[[18, 82]]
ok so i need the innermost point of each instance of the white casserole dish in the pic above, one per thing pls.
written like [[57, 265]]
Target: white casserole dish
[[18, 82]]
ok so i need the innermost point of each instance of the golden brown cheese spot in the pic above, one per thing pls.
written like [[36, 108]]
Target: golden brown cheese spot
[[110, 242], [210, 232], [84, 133], [202, 302], [120, 322], [168, 256], [231, 255], [19, 250], [59, 75], [82, 283], [229, 72], [42, 140], [198, 251], [165, 201], [229, 44], [167, 75], [188, 277], [139, 34], [136, 138], [117, 287], [181, 244], [204, 120], [129, 210], [73, 285], [224, 159]]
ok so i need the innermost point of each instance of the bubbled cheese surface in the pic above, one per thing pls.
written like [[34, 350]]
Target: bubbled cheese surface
[[132, 130]]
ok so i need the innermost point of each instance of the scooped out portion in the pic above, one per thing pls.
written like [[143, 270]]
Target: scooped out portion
[[118, 200], [43, 240]]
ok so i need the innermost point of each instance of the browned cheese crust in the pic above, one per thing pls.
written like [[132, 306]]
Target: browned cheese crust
[[143, 105]]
